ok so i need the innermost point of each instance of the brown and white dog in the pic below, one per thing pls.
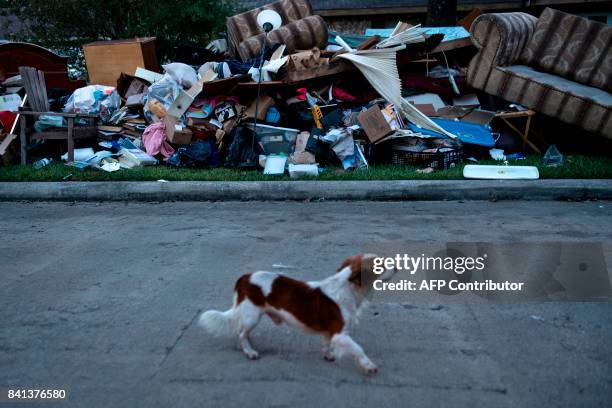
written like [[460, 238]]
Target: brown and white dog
[[326, 307]]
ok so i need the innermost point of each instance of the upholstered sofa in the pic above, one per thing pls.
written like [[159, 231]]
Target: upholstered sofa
[[300, 30], [559, 65]]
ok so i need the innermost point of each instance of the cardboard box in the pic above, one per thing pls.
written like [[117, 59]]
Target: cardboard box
[[374, 124], [106, 60], [174, 135], [264, 104]]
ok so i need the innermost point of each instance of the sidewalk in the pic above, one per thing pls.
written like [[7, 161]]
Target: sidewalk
[[417, 190]]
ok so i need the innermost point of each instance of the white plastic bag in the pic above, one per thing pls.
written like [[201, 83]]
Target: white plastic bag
[[163, 93], [182, 73], [95, 99]]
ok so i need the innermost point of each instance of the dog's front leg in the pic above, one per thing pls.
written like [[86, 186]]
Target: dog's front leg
[[346, 344], [328, 351]]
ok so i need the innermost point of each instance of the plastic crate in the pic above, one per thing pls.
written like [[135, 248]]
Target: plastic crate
[[401, 155]]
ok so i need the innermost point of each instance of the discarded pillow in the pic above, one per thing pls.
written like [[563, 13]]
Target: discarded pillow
[[182, 73]]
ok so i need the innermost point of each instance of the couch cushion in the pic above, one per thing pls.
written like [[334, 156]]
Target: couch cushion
[[302, 34], [572, 47], [243, 26], [568, 101]]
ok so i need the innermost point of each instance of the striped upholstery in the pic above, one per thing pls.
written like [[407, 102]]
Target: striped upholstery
[[244, 26], [500, 38], [573, 47], [299, 35], [555, 96], [504, 41]]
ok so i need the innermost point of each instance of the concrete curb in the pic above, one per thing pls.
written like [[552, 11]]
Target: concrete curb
[[418, 190]]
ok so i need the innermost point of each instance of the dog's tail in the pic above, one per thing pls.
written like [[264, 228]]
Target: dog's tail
[[219, 324]]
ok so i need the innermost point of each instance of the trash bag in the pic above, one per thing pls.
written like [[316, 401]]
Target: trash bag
[[197, 155], [94, 99], [240, 151], [160, 97]]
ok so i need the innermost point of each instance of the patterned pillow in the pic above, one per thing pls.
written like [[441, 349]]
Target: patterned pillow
[[572, 47]]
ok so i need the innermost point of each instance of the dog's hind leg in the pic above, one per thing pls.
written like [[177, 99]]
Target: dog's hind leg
[[275, 318], [249, 317], [328, 351], [344, 343]]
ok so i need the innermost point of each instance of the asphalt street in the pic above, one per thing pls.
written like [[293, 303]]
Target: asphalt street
[[101, 299]]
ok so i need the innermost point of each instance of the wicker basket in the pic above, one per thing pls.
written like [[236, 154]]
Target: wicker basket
[[401, 155]]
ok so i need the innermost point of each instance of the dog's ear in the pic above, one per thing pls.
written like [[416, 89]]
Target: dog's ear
[[354, 262]]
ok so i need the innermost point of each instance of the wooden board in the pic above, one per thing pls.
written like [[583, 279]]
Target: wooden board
[[333, 68], [106, 60]]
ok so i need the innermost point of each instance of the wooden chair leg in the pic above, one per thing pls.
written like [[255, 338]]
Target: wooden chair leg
[[22, 140], [70, 139]]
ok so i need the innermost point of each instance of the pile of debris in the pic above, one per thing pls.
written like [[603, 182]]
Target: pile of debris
[[275, 95]]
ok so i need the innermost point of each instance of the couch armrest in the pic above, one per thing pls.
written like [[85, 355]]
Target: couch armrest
[[501, 37]]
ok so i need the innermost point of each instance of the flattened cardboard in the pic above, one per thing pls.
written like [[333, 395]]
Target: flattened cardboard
[[465, 114], [374, 124], [427, 98], [479, 116], [427, 109], [264, 104]]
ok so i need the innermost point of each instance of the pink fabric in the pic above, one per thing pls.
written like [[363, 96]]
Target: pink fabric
[[154, 139]]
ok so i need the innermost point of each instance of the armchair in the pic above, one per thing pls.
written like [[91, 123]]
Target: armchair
[[36, 94]]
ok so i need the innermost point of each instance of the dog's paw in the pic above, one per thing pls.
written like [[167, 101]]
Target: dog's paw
[[370, 368], [252, 355], [329, 357]]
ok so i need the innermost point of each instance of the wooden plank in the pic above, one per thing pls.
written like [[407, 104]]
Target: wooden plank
[[37, 102], [24, 144], [515, 114], [264, 85], [62, 114], [70, 139], [42, 93], [334, 68], [43, 89], [78, 133], [27, 83]]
